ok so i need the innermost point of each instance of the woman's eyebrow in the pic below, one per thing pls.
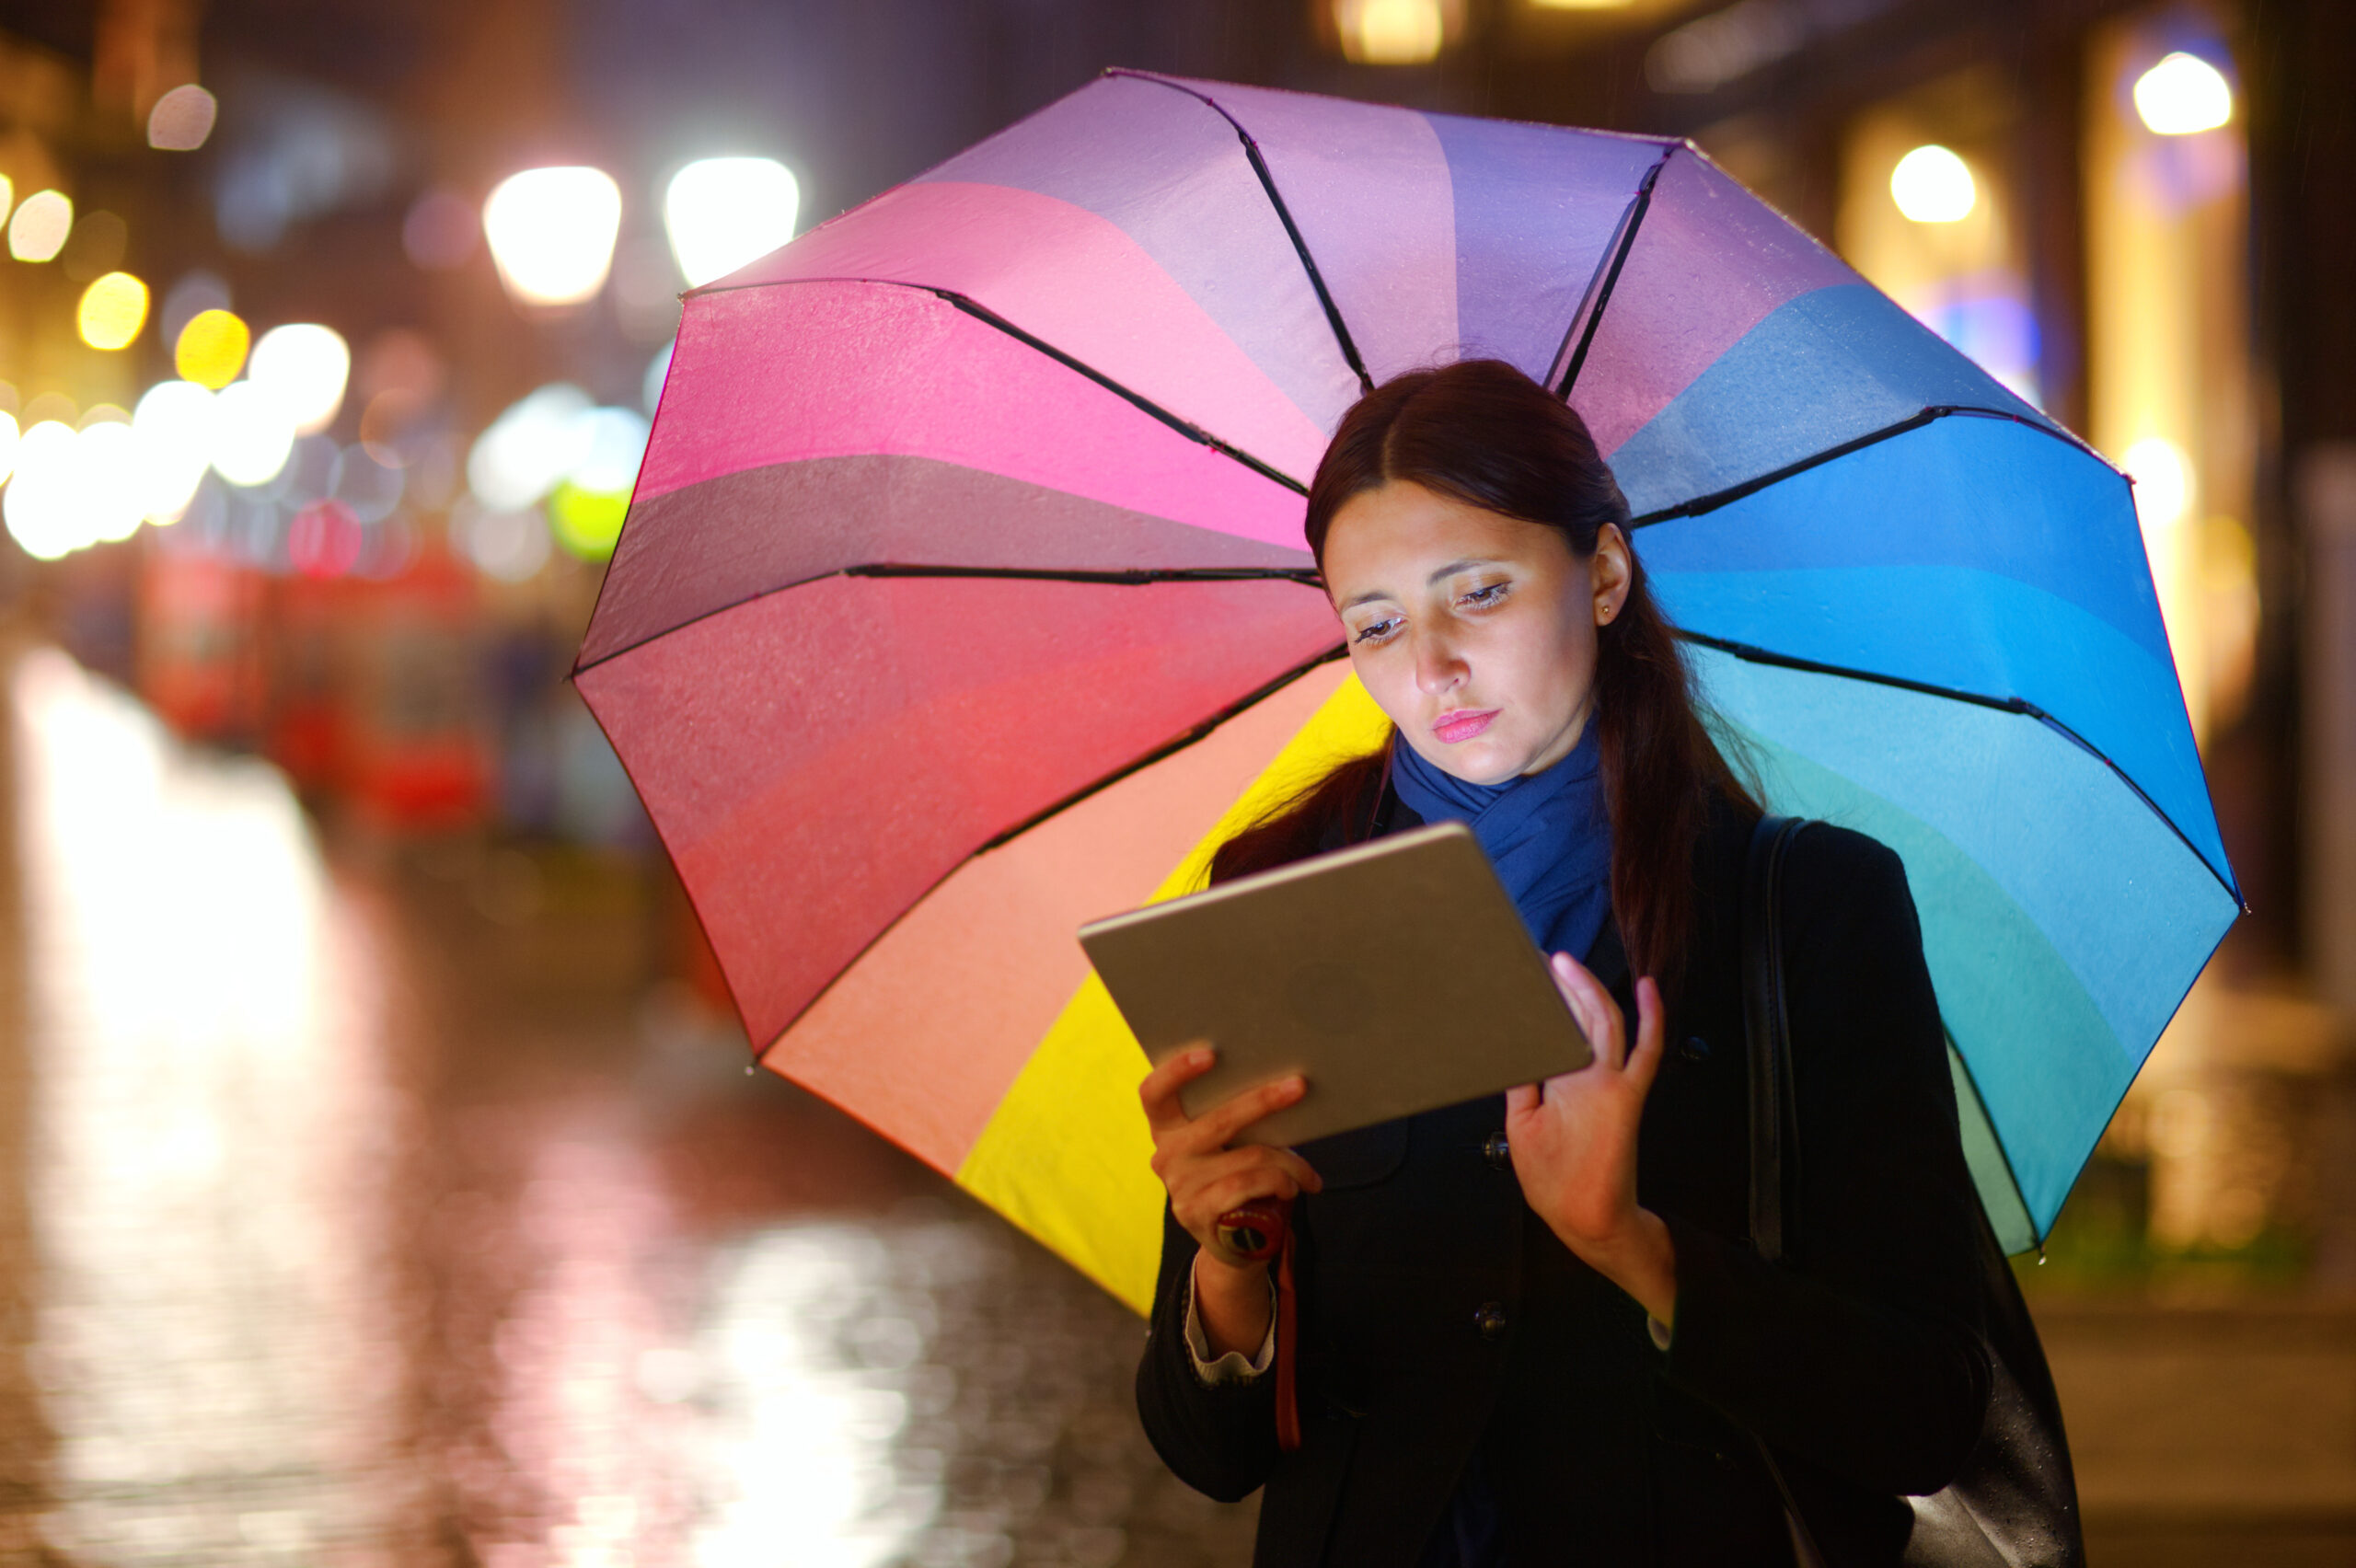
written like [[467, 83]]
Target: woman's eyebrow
[[1440, 574]]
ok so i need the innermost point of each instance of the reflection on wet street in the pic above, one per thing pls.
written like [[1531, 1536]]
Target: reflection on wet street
[[372, 1205]]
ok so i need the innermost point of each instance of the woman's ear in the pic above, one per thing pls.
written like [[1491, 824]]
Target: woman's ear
[[1609, 571]]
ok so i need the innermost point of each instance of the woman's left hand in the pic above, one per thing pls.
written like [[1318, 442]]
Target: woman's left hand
[[1574, 1143]]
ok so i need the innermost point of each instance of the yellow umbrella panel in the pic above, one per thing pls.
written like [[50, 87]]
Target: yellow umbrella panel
[[1029, 1076]]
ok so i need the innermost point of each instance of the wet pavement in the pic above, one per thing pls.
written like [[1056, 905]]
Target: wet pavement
[[368, 1204]]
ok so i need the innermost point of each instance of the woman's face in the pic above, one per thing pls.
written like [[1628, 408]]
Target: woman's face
[[1476, 633]]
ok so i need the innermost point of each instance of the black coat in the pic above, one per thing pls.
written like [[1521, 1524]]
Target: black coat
[[1439, 1316]]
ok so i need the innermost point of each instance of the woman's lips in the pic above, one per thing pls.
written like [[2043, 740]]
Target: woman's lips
[[1463, 724]]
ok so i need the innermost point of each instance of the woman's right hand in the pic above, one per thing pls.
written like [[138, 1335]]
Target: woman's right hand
[[1206, 1179]]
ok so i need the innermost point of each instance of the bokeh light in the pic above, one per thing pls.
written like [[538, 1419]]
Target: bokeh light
[[39, 503], [108, 474], [8, 438], [305, 365], [96, 246], [723, 213], [1391, 32], [325, 539], [252, 434], [212, 348], [39, 230], [509, 546], [530, 447], [551, 233], [1932, 185], [49, 406], [2183, 94], [613, 445], [174, 424], [182, 118], [587, 523], [191, 295], [113, 309], [2163, 481]]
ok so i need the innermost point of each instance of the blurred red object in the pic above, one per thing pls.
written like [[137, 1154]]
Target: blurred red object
[[200, 659], [418, 755]]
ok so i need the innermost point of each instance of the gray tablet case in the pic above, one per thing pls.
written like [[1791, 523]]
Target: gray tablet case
[[1395, 976]]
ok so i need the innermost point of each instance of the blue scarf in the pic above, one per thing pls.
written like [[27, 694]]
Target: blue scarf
[[1548, 835]]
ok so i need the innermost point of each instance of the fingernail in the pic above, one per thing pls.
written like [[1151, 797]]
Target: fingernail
[[1199, 1056]]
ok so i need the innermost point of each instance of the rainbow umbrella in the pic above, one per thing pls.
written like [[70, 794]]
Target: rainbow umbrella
[[963, 599]]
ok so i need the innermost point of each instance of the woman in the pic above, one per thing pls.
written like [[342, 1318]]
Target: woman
[[1533, 1331]]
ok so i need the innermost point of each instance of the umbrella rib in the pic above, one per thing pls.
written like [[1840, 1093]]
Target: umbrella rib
[[1733, 493], [1132, 576], [1752, 653], [1118, 577], [1138, 401], [1177, 743], [1342, 337], [1607, 278]]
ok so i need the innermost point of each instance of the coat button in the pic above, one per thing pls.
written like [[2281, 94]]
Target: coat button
[[1495, 1151], [1490, 1319], [1695, 1049]]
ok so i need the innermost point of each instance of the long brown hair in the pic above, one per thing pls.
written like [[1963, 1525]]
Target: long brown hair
[[1481, 433]]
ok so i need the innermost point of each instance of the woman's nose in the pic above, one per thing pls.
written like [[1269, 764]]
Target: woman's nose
[[1438, 665]]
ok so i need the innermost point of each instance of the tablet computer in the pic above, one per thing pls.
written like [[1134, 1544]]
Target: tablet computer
[[1395, 976]]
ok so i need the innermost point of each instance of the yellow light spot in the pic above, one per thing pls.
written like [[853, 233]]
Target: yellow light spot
[[212, 348], [587, 522], [1391, 32], [1932, 185], [114, 310]]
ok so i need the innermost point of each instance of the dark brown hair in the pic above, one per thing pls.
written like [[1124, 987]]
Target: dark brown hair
[[1484, 434]]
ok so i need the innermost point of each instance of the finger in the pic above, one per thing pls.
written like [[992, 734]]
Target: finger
[[1598, 1014], [1220, 1124], [1159, 1092], [1194, 1185], [1251, 1186], [1304, 1175], [1521, 1100], [1645, 1060]]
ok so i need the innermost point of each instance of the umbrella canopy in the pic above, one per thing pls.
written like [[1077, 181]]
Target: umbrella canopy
[[963, 599]]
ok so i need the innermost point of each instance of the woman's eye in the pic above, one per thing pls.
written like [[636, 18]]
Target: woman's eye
[[1375, 631], [1481, 597]]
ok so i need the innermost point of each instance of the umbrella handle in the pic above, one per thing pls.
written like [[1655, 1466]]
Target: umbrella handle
[[1255, 1233]]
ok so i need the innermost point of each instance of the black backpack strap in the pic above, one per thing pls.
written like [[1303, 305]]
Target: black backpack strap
[[1775, 1121]]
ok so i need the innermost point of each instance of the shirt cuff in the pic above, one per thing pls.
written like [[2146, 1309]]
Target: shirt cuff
[[1230, 1368]]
